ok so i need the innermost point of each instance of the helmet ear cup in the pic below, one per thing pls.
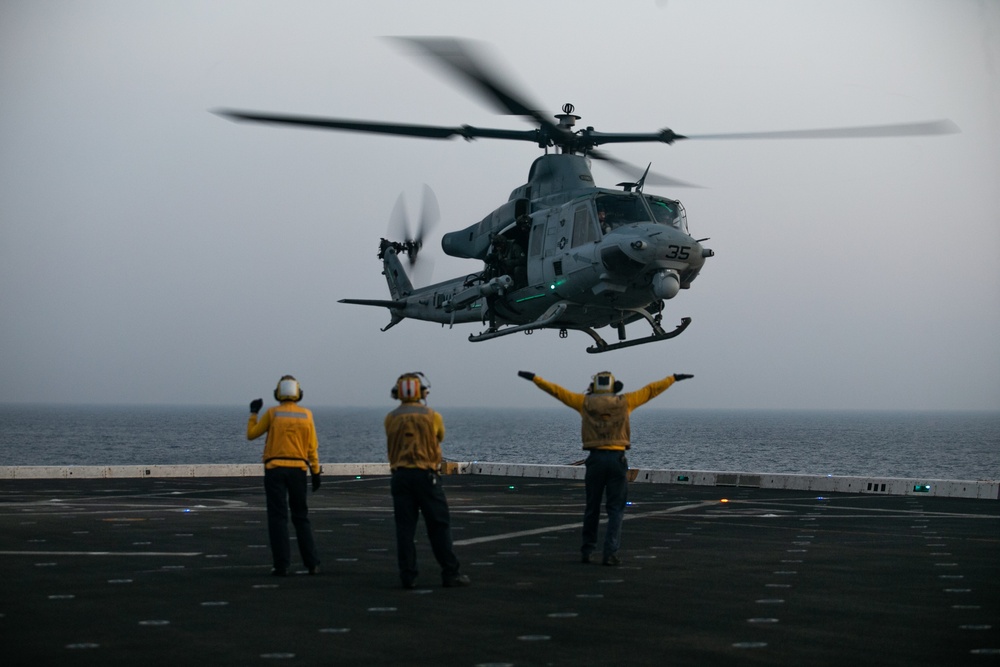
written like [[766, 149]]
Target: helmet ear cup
[[618, 386]]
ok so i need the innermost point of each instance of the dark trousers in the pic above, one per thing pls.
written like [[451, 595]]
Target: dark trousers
[[286, 489], [414, 492], [607, 474]]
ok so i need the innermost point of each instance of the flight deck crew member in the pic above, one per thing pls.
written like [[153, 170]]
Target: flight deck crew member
[[291, 450], [413, 438], [606, 434]]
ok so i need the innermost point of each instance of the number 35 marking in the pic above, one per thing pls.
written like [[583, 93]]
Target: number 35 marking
[[678, 252]]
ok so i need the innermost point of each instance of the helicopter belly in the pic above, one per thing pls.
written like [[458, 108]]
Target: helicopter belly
[[529, 305]]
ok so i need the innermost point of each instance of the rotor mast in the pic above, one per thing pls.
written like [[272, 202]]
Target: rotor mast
[[567, 121]]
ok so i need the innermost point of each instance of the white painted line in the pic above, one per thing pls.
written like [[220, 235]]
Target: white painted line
[[576, 525], [101, 553]]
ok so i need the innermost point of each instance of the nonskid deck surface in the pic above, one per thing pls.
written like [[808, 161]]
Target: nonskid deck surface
[[176, 571]]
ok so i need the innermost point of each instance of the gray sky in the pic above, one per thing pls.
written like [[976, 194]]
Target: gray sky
[[152, 252]]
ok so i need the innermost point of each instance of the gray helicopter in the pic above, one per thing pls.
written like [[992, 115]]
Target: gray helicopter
[[561, 253]]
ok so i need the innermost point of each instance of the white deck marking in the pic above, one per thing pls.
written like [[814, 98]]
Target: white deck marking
[[101, 553], [576, 525]]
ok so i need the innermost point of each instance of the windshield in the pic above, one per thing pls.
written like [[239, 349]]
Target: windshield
[[617, 210], [667, 212]]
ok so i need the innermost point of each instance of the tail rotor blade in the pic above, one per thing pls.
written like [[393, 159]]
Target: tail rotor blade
[[430, 214], [399, 224]]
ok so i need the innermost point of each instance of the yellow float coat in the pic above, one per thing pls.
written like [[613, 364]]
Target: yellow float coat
[[291, 437], [413, 437], [605, 423]]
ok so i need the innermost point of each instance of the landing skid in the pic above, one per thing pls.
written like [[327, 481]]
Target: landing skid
[[660, 334], [549, 319]]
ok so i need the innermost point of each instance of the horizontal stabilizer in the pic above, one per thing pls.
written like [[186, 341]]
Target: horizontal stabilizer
[[382, 303]]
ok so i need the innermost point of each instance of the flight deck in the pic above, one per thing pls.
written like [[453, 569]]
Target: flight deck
[[175, 570]]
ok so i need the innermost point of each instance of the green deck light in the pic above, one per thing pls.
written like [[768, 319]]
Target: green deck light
[[921, 488]]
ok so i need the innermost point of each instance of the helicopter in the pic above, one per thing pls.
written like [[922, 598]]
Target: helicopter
[[562, 252]]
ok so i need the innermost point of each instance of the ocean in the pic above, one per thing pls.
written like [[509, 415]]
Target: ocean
[[931, 445]]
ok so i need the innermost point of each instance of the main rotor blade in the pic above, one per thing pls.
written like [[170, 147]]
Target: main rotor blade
[[428, 131], [469, 63], [375, 127], [635, 172], [861, 132]]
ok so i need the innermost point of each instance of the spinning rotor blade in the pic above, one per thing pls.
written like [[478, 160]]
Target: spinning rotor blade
[[399, 228], [429, 131], [468, 62], [399, 225], [430, 213], [375, 127], [861, 132], [635, 172], [399, 222]]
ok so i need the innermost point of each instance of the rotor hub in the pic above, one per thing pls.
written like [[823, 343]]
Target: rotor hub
[[567, 119]]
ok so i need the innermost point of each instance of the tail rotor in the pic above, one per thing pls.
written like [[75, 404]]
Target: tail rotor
[[410, 245]]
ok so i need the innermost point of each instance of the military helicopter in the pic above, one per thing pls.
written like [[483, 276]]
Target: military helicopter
[[562, 253]]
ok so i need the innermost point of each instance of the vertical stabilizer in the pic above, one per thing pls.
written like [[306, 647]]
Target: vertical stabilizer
[[395, 275]]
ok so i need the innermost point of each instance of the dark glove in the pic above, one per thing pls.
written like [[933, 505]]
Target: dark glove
[[256, 404], [316, 481], [681, 376], [526, 375]]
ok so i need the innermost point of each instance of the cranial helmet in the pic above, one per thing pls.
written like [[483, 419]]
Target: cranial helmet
[[411, 387], [288, 389], [604, 383]]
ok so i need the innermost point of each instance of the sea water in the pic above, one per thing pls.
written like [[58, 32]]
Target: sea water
[[932, 445]]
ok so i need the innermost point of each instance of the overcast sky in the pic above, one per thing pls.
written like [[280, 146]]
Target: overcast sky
[[152, 252]]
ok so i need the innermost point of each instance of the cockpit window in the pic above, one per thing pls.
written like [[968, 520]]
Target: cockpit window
[[617, 210], [667, 212]]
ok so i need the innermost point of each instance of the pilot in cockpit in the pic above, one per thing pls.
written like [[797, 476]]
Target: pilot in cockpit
[[602, 219]]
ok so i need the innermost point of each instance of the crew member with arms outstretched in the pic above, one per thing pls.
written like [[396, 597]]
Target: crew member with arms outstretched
[[413, 438], [290, 451], [606, 434]]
